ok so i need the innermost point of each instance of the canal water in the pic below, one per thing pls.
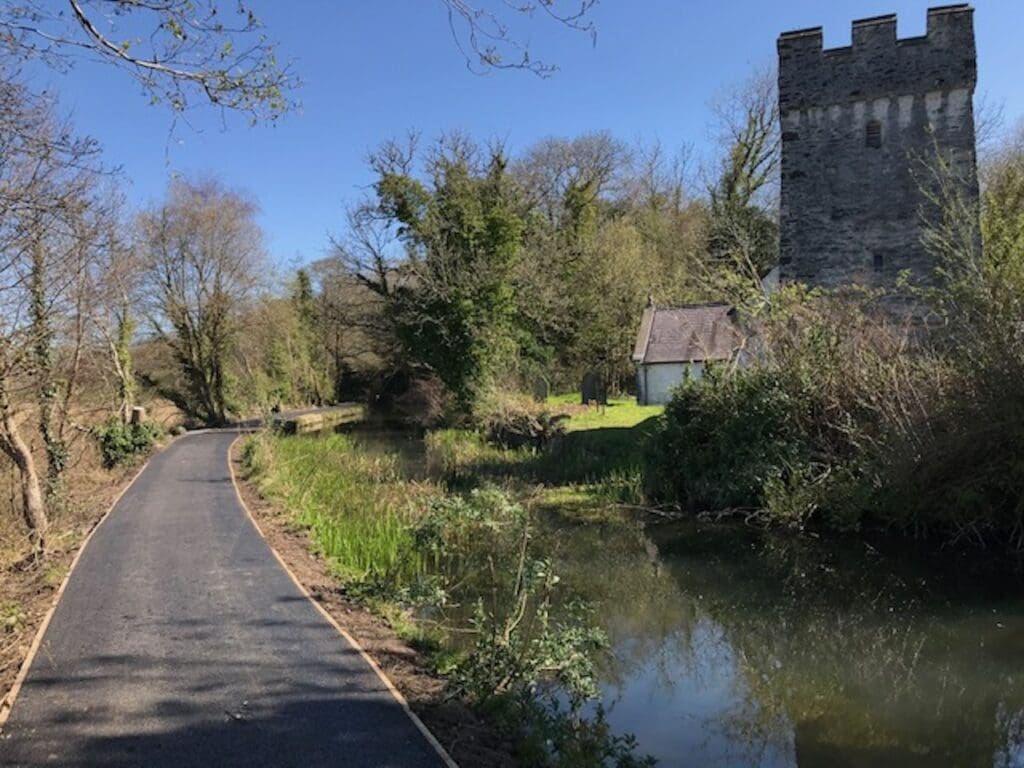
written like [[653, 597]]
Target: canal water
[[732, 646]]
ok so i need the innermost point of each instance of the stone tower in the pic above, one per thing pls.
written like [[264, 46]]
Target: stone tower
[[860, 125]]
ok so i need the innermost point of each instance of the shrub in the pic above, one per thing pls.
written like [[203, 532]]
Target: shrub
[[517, 421], [456, 455], [122, 443], [806, 433], [723, 438], [526, 656], [12, 617], [849, 419], [425, 404]]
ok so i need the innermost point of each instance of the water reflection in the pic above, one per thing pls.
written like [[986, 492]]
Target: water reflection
[[734, 648]]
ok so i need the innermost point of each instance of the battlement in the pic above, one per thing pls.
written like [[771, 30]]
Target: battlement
[[877, 63], [856, 122]]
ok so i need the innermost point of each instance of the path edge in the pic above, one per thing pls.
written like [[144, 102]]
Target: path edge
[[385, 680], [12, 696]]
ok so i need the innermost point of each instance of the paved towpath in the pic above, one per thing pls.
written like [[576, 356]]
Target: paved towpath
[[180, 641]]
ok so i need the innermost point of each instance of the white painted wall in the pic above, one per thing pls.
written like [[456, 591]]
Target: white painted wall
[[657, 380]]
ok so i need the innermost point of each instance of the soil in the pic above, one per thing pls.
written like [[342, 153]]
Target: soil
[[470, 739]]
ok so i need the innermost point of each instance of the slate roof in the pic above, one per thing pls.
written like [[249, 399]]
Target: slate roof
[[692, 333]]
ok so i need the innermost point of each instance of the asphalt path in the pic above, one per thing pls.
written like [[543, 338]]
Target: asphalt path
[[180, 641]]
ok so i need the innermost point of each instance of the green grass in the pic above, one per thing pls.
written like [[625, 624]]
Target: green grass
[[598, 460], [359, 508], [620, 412], [356, 506]]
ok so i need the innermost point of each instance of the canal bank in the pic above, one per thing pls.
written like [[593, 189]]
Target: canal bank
[[730, 645]]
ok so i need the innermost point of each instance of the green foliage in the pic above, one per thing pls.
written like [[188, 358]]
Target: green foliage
[[599, 458], [550, 736], [399, 541], [723, 438], [12, 617], [122, 443], [743, 237], [622, 486], [465, 234], [525, 655], [514, 421], [522, 648], [355, 505], [516, 271], [803, 434], [846, 422]]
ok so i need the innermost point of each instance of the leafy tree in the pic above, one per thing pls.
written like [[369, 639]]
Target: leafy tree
[[1002, 217], [307, 359], [450, 299]]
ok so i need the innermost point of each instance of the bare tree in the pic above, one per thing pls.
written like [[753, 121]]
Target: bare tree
[[178, 50], [563, 176], [743, 231], [116, 307], [202, 257], [45, 178], [484, 30], [63, 240], [185, 52], [748, 131]]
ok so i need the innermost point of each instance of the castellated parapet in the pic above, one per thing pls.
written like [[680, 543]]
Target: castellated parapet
[[859, 126]]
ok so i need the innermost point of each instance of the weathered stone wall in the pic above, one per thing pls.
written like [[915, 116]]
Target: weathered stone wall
[[859, 126]]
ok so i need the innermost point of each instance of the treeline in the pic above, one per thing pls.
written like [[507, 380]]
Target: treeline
[[470, 269], [87, 287]]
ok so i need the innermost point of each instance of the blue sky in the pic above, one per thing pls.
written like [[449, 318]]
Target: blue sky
[[374, 70]]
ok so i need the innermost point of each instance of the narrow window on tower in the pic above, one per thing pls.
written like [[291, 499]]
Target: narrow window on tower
[[873, 135], [878, 262]]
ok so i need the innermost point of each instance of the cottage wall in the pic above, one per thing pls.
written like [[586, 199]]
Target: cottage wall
[[859, 125], [657, 380]]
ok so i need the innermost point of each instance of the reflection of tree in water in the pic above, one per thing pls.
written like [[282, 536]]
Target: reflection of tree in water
[[842, 658], [636, 601], [1011, 753]]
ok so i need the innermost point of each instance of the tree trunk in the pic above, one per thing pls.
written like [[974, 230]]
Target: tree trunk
[[56, 450], [122, 354], [32, 506]]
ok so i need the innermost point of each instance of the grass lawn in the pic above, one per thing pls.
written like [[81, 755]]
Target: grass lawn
[[620, 412], [598, 460]]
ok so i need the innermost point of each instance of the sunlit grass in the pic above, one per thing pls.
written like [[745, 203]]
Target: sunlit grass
[[620, 412], [599, 459], [356, 505]]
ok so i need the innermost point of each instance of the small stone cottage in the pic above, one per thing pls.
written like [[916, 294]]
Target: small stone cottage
[[676, 343]]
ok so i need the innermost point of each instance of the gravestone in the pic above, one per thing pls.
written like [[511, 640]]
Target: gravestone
[[593, 389], [541, 390]]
